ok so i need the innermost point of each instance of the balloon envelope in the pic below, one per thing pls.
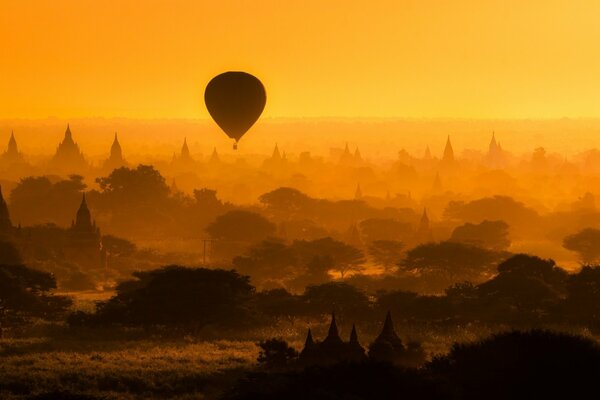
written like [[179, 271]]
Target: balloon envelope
[[235, 100]]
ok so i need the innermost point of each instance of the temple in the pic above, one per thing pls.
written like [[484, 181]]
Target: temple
[[85, 241], [115, 160], [448, 157], [332, 349], [387, 347], [12, 154], [68, 156]]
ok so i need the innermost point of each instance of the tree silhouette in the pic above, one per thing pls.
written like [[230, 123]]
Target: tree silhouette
[[386, 253], [241, 225], [180, 296], [491, 235], [276, 353], [344, 258], [450, 262], [586, 244], [268, 259]]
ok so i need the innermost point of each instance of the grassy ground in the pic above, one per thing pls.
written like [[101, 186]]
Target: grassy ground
[[139, 369]]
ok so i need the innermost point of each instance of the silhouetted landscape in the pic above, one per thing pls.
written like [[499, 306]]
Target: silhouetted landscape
[[326, 200]]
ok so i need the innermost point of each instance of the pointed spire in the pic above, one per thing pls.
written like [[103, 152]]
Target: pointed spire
[[388, 326], [68, 134], [12, 149], [276, 154], [333, 329], [347, 150], [357, 156], [309, 340], [185, 151], [448, 151], [424, 224], [116, 153], [358, 194], [214, 157], [83, 218], [353, 335], [427, 155]]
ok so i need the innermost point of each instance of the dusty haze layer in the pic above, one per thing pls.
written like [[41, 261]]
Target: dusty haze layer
[[379, 140]]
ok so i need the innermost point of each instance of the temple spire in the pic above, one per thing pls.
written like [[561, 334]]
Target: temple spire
[[214, 157], [353, 335], [358, 194], [116, 152], [276, 154], [185, 151], [448, 151], [309, 340], [333, 329], [68, 134]]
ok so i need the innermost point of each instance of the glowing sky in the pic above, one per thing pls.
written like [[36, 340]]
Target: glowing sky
[[347, 58]]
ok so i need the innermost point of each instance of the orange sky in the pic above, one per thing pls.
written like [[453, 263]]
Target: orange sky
[[399, 58]]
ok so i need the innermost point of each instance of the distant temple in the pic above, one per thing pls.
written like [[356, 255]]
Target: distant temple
[[184, 157], [448, 157], [68, 155], [214, 157], [85, 241], [424, 233], [387, 347], [115, 160], [358, 194], [495, 157], [12, 154]]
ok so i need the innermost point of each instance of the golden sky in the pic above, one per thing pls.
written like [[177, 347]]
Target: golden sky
[[343, 58]]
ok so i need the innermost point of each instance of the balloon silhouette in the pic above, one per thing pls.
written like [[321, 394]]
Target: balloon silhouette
[[235, 100]]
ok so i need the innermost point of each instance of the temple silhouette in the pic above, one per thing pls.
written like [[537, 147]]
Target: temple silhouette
[[85, 242], [115, 159], [387, 347], [68, 156], [12, 153]]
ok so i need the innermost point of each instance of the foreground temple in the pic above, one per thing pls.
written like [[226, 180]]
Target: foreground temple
[[387, 347]]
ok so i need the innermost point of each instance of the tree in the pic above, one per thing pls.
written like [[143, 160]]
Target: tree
[[26, 292], [492, 208], [242, 226], [534, 364], [116, 246], [386, 252], [285, 201], [582, 304], [346, 300], [43, 199], [269, 259], [527, 288], [180, 296], [276, 353], [450, 262], [586, 244], [141, 186], [491, 235], [343, 257]]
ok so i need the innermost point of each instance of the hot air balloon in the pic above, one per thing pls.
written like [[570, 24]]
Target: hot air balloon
[[235, 100]]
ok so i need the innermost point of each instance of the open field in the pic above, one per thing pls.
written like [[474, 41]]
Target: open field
[[140, 369]]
